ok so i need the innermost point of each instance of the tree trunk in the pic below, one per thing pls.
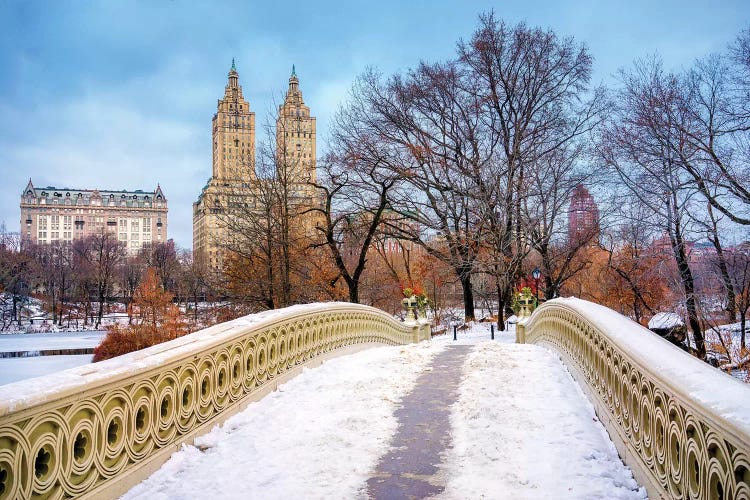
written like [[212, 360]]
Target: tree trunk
[[500, 306], [468, 294], [100, 313], [353, 290], [688, 284], [723, 270]]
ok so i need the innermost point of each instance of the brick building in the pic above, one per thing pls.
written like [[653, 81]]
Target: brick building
[[583, 216]]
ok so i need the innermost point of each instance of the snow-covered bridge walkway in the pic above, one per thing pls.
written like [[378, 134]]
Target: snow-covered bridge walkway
[[519, 428]]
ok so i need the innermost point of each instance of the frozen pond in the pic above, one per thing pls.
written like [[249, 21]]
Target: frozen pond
[[20, 368], [49, 341], [15, 369]]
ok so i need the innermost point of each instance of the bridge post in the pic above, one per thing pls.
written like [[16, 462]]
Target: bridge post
[[521, 331], [421, 329]]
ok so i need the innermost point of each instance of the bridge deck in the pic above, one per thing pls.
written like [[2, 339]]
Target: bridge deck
[[519, 428]]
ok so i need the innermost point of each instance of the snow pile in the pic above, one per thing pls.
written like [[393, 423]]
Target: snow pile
[[318, 436], [523, 429], [714, 389], [665, 321]]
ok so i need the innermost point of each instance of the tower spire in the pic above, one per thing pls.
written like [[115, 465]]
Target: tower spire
[[233, 76], [293, 84]]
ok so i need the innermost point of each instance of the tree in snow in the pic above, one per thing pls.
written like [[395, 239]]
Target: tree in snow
[[155, 320]]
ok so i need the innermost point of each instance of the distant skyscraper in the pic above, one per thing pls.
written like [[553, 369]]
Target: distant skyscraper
[[583, 217], [137, 218]]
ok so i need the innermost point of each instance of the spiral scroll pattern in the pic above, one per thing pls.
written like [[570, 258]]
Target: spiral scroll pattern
[[683, 447], [74, 445]]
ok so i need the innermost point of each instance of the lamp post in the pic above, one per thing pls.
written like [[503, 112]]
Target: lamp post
[[536, 273]]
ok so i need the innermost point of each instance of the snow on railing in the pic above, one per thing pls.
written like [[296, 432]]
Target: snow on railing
[[95, 430], [681, 425]]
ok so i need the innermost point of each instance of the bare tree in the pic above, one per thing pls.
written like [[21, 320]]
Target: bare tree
[[15, 278], [545, 216], [265, 218], [129, 277], [536, 88], [358, 176], [713, 118], [710, 221], [648, 153], [191, 282], [738, 260], [103, 253], [162, 257], [431, 125], [54, 267]]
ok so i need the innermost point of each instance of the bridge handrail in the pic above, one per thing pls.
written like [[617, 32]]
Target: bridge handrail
[[95, 430], [681, 425]]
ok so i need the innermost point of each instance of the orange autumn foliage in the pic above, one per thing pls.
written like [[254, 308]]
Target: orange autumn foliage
[[155, 320], [626, 282]]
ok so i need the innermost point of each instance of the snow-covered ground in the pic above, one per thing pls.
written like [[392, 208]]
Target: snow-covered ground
[[318, 436], [521, 429]]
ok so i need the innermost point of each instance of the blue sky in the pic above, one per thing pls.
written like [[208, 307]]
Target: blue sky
[[120, 94]]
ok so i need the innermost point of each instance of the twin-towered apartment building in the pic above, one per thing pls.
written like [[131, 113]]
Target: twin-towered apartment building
[[234, 179]]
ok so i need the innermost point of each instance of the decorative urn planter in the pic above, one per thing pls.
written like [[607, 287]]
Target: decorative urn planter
[[410, 304], [527, 306]]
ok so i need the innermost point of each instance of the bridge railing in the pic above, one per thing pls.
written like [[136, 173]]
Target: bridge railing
[[96, 430], [681, 425]]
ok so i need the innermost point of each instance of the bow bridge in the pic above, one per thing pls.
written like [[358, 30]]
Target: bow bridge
[[94, 431]]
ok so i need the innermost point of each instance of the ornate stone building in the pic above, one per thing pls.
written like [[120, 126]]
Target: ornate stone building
[[234, 181], [138, 218]]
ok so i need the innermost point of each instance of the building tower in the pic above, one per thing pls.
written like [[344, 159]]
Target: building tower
[[295, 139], [233, 143], [583, 217], [233, 135], [295, 160]]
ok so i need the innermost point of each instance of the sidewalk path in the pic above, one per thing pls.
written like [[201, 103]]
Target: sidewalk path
[[410, 468]]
